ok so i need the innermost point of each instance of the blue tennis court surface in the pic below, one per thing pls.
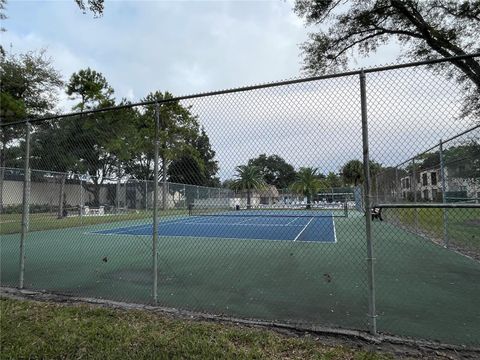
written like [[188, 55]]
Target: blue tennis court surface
[[301, 229]]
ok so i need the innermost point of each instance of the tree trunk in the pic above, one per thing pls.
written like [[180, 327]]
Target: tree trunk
[[249, 206], [309, 201], [61, 196], [94, 189], [96, 195]]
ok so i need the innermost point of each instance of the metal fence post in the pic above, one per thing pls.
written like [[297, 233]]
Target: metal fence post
[[414, 180], [444, 196], [398, 185], [368, 220], [25, 206], [117, 192], [146, 195], [81, 201], [155, 206], [185, 196]]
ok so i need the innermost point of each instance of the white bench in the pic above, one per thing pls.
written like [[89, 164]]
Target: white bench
[[88, 211]]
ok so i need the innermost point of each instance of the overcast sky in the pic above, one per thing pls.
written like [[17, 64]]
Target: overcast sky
[[181, 46], [197, 46]]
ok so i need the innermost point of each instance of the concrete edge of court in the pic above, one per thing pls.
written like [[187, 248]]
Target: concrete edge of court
[[382, 342]]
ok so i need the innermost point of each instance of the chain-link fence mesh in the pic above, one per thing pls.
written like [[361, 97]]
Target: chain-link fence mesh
[[251, 203]]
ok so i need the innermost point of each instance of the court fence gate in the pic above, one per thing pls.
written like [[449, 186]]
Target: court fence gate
[[343, 201]]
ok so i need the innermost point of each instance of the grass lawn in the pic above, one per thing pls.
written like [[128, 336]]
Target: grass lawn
[[44, 330], [11, 223], [463, 225]]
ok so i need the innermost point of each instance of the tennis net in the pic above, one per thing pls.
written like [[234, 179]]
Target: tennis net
[[315, 210]]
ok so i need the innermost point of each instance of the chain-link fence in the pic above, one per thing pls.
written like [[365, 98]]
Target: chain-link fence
[[447, 173], [309, 202]]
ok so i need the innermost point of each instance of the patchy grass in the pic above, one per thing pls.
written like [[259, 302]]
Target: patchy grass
[[45, 330], [462, 230], [12, 223]]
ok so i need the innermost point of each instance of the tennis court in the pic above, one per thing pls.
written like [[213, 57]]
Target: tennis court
[[273, 225]]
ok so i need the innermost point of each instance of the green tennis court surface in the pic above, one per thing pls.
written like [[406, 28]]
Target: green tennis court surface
[[423, 290]]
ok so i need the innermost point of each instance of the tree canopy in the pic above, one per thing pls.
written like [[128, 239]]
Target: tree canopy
[[29, 87], [424, 29], [462, 161], [275, 170], [95, 6], [91, 88], [108, 145]]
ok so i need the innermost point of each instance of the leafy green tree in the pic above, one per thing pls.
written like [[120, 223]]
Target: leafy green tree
[[179, 135], [248, 178], [91, 88], [49, 149], [428, 161], [202, 145], [98, 141], [187, 170], [275, 170], [28, 88], [3, 17], [307, 183], [463, 161], [423, 28]]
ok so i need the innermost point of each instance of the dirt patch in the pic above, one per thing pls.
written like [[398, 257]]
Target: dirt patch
[[400, 348]]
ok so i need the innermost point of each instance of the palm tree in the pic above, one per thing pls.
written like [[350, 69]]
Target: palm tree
[[352, 172], [248, 178], [307, 183]]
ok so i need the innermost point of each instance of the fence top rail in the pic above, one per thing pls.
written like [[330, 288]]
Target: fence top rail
[[440, 142], [435, 146], [250, 88], [428, 206], [85, 177]]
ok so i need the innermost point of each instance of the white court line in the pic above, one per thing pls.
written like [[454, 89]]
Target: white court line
[[292, 221], [238, 224], [301, 232], [196, 237], [197, 218]]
